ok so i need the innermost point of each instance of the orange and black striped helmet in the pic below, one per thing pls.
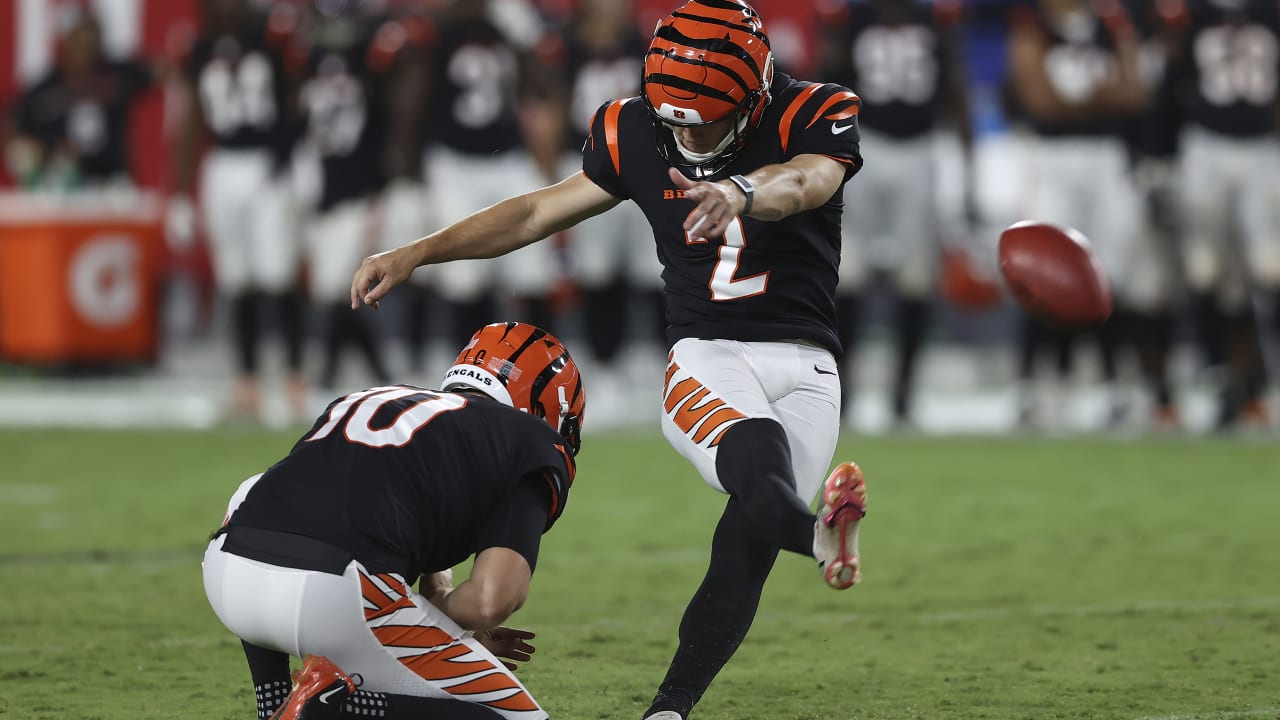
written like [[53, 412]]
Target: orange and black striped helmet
[[709, 60], [527, 368]]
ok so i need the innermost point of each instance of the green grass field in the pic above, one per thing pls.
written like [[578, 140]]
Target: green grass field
[[1003, 579]]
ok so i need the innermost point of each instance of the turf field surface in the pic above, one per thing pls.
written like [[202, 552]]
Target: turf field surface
[[1003, 578]]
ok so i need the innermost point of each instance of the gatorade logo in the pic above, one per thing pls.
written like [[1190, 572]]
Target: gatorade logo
[[104, 279]]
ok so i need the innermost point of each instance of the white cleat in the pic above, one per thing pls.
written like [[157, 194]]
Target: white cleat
[[835, 532], [664, 715]]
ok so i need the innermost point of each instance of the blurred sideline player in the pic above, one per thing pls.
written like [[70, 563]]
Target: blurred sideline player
[[72, 125], [904, 60], [483, 74], [317, 556], [742, 189], [1075, 76], [1153, 147], [242, 96], [1225, 76], [613, 261], [361, 133]]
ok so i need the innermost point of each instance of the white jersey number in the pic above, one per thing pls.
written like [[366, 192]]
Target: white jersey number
[[1076, 71], [335, 103], [1237, 65], [366, 404], [237, 95], [724, 286], [896, 64], [598, 82], [483, 76]]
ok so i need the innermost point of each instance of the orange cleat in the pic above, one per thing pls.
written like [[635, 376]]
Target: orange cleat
[[319, 690], [835, 532], [1254, 415]]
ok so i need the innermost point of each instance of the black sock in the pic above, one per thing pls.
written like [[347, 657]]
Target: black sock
[[1111, 336], [361, 329], [603, 313], [754, 465], [469, 316], [912, 320], [1154, 334], [536, 311], [1064, 345], [335, 336], [269, 671], [245, 309], [1032, 337], [720, 613], [1210, 321], [290, 306], [415, 336]]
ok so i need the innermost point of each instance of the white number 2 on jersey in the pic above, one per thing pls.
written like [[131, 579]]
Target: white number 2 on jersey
[[724, 286], [401, 430]]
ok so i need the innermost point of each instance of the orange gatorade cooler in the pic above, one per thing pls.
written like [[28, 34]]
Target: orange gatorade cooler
[[79, 278]]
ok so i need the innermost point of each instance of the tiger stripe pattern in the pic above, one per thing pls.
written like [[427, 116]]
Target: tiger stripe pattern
[[447, 662], [694, 409]]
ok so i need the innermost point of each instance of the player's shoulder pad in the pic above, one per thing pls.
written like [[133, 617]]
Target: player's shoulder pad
[[604, 128], [813, 103], [559, 477]]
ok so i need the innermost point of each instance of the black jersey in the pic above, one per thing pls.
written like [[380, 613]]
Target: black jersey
[[1076, 64], [1227, 76], [89, 120], [475, 72], [405, 478], [239, 83], [345, 101], [762, 280], [897, 65], [597, 75]]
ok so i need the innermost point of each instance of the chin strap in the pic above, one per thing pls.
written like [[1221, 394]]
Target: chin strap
[[698, 158]]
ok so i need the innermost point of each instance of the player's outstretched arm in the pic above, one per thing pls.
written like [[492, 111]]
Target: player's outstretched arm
[[801, 183], [496, 230]]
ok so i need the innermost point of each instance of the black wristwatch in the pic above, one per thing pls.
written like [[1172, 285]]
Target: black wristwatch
[[747, 189]]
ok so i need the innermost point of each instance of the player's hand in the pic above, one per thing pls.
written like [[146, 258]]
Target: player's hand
[[718, 204], [508, 644], [378, 274]]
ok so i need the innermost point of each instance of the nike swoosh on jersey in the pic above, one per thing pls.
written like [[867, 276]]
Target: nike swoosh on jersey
[[820, 371], [324, 696], [836, 129]]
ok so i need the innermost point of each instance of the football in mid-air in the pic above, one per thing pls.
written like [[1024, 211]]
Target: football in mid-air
[[1054, 274]]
